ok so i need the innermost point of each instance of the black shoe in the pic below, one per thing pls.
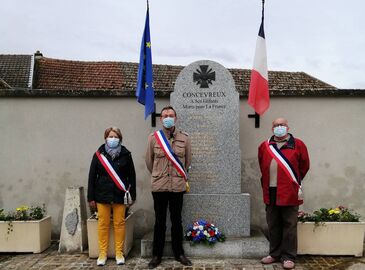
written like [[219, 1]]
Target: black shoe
[[154, 262], [183, 260]]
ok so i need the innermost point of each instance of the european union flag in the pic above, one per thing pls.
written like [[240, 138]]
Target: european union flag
[[145, 93]]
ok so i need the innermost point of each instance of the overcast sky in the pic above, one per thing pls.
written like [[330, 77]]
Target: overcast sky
[[324, 38]]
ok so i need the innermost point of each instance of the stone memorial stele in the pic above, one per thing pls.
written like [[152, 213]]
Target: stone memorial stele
[[73, 230], [207, 106]]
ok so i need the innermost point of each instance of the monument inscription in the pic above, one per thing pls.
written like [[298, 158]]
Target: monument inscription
[[207, 104]]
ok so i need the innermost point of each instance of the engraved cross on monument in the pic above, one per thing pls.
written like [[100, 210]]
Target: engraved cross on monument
[[207, 106]]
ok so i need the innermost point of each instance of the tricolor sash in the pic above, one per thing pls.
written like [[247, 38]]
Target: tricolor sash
[[166, 147], [284, 164], [115, 177]]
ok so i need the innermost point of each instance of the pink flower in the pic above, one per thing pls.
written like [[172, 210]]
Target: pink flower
[[301, 214]]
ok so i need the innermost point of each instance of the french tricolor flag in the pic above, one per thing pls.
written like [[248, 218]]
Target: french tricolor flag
[[258, 96]]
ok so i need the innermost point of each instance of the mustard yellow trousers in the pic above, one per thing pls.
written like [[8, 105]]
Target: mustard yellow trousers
[[104, 211]]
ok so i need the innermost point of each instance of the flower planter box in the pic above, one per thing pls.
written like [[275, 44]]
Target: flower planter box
[[27, 236], [92, 235], [331, 238]]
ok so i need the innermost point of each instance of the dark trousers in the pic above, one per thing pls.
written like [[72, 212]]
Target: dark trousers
[[282, 223], [175, 202]]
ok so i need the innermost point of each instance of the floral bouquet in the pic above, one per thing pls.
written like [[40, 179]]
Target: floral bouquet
[[202, 231], [338, 214]]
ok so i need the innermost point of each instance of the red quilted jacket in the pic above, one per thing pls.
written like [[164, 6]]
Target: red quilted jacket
[[287, 191]]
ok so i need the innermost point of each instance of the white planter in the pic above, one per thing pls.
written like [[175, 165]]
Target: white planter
[[92, 236], [331, 238], [27, 236]]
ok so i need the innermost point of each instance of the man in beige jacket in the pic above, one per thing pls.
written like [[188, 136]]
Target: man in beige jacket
[[168, 184]]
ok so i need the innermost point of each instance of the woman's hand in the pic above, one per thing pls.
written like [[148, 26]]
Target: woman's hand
[[92, 205]]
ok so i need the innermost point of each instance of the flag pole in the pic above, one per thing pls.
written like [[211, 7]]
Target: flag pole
[[145, 93], [258, 94], [154, 115], [256, 116]]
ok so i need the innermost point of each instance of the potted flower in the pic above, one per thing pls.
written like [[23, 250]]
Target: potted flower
[[26, 229], [92, 235], [330, 231], [204, 232]]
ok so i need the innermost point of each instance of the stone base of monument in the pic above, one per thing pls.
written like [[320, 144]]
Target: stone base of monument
[[230, 213], [255, 246]]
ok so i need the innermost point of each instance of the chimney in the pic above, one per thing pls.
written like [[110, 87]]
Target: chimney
[[38, 55], [34, 77]]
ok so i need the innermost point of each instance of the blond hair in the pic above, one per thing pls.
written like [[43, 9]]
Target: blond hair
[[115, 129]]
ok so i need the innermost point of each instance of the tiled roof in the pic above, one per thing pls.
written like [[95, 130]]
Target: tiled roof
[[15, 70], [77, 75], [281, 81], [4, 85], [80, 75]]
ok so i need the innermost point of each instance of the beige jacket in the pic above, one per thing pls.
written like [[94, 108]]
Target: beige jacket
[[165, 178]]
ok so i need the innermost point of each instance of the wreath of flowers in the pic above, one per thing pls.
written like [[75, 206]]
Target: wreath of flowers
[[202, 231]]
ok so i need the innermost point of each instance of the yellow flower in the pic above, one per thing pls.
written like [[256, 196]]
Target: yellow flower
[[334, 211], [22, 208]]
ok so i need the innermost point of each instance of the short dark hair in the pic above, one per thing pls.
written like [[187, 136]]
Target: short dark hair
[[168, 108]]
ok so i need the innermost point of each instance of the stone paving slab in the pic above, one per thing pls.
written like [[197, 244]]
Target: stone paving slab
[[50, 259]]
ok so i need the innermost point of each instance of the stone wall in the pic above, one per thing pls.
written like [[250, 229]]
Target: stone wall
[[47, 143]]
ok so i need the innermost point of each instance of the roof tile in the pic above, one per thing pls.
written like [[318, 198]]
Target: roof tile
[[15, 70], [56, 74]]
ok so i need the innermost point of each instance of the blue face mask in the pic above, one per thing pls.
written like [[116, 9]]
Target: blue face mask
[[280, 131], [168, 122], [112, 142]]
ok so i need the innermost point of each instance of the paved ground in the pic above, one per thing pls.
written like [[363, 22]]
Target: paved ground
[[50, 259]]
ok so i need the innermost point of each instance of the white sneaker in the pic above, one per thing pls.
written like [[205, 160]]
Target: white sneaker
[[120, 260], [101, 261]]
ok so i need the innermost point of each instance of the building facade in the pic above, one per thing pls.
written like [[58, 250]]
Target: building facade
[[53, 115]]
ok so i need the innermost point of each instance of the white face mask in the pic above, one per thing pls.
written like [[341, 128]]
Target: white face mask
[[280, 131], [168, 122], [112, 142]]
